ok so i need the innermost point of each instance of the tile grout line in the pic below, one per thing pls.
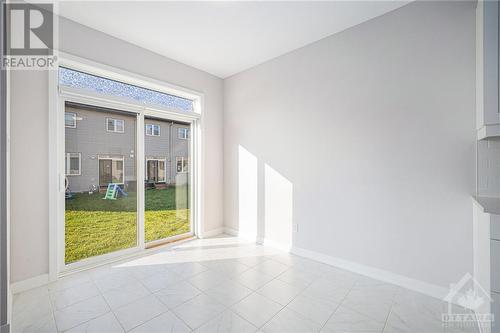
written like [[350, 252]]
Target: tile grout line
[[201, 293], [103, 298], [338, 307], [116, 318], [111, 310], [171, 310], [101, 294], [387, 319], [254, 291], [162, 313], [82, 300], [52, 310], [86, 321], [176, 316], [276, 278]]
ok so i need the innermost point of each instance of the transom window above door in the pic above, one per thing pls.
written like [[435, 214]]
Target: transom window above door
[[115, 125], [97, 84], [152, 130]]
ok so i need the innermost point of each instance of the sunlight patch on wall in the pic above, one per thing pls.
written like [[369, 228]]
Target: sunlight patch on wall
[[278, 208], [247, 193]]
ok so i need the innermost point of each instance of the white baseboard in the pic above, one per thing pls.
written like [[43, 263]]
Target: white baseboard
[[230, 231], [375, 273], [277, 245], [258, 239], [372, 272], [34, 282], [211, 233], [246, 236]]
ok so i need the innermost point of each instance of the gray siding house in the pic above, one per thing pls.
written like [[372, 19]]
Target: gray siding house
[[101, 149]]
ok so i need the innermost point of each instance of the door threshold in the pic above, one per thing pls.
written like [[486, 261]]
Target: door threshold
[[164, 244], [170, 240]]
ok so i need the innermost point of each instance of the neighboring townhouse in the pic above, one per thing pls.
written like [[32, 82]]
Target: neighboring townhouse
[[101, 149]]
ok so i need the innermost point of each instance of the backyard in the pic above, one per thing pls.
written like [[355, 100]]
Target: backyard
[[96, 226]]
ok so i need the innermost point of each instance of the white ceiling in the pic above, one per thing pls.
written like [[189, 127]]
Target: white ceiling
[[223, 38]]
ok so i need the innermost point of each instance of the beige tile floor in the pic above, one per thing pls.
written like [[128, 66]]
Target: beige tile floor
[[224, 284]]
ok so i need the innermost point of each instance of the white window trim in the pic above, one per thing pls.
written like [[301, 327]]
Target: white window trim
[[68, 163], [115, 120], [152, 129], [181, 158], [156, 159], [58, 96], [179, 133], [112, 158], [74, 119]]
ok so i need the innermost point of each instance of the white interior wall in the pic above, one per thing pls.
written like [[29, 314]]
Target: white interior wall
[[368, 137], [29, 138], [364, 140]]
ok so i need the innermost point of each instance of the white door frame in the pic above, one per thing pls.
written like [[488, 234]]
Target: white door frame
[[58, 96]]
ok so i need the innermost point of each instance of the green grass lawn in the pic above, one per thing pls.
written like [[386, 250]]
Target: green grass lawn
[[95, 226]]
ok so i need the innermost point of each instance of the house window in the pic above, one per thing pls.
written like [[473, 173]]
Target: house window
[[115, 125], [111, 170], [152, 130], [183, 133], [70, 120], [73, 164], [182, 164]]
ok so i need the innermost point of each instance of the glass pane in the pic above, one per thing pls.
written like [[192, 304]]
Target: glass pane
[[101, 202], [69, 119], [72, 78], [151, 170], [119, 125], [66, 167], [117, 172], [167, 210], [104, 172], [179, 165], [161, 171], [74, 164], [111, 125]]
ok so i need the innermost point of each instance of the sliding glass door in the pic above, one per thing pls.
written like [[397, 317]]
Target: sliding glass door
[[124, 170], [101, 215], [100, 181], [167, 146]]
